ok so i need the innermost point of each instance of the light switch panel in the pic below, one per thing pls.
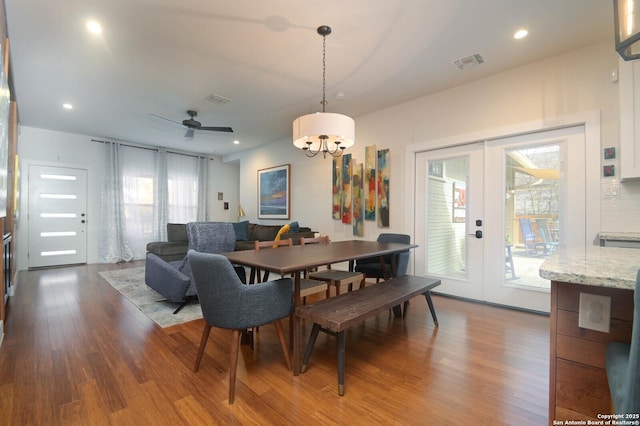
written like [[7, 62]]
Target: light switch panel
[[595, 312]]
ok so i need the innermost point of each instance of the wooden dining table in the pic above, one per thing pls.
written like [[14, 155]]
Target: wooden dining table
[[296, 259]]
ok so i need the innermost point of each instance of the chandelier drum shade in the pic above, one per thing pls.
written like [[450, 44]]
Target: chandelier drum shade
[[313, 130], [626, 15], [325, 132]]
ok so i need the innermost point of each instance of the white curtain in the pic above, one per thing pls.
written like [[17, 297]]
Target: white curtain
[[114, 246], [145, 189], [182, 187], [203, 190], [137, 168], [160, 195]]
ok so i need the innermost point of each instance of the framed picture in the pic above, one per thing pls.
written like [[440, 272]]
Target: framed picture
[[459, 203], [274, 197]]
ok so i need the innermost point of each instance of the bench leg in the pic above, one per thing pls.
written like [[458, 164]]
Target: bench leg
[[427, 296], [397, 311], [312, 341], [340, 336]]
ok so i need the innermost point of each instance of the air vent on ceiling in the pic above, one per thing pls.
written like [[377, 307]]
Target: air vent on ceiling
[[469, 61], [218, 99]]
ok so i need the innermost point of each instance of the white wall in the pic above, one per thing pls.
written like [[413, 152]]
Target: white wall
[[573, 83], [71, 150]]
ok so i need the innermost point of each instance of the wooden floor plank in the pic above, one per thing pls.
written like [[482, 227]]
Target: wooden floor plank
[[99, 360]]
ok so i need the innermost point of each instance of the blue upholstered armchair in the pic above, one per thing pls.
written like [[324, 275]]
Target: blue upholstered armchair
[[623, 365], [173, 280], [228, 303]]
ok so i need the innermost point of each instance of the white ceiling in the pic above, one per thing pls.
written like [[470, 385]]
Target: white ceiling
[[164, 57]]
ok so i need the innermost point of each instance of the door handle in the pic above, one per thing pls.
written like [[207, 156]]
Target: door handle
[[477, 234]]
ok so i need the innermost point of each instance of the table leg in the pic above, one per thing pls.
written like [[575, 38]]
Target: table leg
[[397, 310], [296, 325]]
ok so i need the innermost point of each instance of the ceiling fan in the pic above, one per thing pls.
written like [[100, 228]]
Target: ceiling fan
[[192, 124]]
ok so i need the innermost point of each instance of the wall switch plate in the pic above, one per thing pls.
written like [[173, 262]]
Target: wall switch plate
[[595, 312]]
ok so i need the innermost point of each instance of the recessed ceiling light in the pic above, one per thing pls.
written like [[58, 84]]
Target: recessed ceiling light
[[94, 27], [67, 106], [520, 34], [236, 142]]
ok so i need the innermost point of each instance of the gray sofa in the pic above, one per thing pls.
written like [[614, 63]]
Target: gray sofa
[[175, 249], [257, 232]]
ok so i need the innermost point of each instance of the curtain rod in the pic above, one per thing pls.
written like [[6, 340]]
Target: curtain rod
[[155, 148]]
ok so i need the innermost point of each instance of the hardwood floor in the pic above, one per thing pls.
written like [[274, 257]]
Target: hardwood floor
[[76, 353]]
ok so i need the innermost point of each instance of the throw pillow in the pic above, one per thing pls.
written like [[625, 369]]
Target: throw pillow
[[294, 227], [241, 230], [283, 230]]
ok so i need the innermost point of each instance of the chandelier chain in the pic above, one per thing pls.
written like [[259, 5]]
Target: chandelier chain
[[324, 71]]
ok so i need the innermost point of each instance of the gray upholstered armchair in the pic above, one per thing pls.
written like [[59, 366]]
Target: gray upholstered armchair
[[622, 363], [228, 303], [173, 280]]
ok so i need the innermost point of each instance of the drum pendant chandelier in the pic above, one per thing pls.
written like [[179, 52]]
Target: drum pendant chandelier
[[324, 132], [627, 26]]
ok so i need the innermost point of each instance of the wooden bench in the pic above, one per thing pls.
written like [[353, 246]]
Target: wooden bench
[[337, 314]]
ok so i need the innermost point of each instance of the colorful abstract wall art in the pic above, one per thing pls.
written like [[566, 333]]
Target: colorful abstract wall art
[[370, 182], [383, 174], [346, 188], [336, 189], [358, 200]]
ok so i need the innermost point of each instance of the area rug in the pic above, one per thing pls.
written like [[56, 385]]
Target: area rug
[[130, 283]]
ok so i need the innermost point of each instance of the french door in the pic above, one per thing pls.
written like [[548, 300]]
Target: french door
[[57, 216], [475, 204], [449, 228]]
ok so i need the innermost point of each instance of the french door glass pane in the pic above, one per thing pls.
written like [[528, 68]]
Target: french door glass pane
[[532, 207], [446, 231]]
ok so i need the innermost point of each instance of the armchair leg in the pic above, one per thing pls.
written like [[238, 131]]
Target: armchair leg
[[203, 344], [233, 363], [283, 343]]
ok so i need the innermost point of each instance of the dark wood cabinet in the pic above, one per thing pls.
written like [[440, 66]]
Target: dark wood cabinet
[[578, 387]]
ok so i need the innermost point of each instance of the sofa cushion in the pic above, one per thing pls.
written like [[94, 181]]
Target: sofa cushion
[[168, 251], [241, 229], [177, 232], [264, 232], [244, 245]]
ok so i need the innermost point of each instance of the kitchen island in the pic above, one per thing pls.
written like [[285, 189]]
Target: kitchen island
[[578, 388]]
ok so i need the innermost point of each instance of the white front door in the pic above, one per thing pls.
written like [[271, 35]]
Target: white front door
[[472, 202], [57, 216]]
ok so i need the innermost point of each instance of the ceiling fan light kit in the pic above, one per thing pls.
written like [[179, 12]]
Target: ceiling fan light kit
[[325, 132]]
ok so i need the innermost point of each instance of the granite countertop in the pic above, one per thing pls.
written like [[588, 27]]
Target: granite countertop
[[593, 265], [620, 236]]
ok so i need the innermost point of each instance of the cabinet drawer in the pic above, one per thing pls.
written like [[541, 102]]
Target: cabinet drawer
[[567, 325], [582, 388], [583, 351], [621, 300]]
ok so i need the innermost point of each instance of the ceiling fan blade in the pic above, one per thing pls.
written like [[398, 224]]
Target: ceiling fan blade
[[189, 133], [157, 117], [218, 129]]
